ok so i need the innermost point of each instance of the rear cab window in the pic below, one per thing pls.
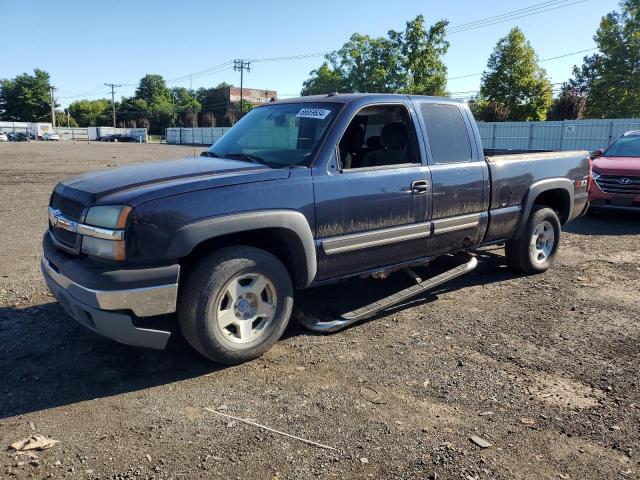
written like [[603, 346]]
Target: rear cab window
[[447, 133]]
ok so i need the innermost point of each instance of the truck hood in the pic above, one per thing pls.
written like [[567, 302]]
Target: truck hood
[[136, 184], [628, 166]]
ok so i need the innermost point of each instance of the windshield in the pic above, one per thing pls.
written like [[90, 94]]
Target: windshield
[[279, 135], [625, 147]]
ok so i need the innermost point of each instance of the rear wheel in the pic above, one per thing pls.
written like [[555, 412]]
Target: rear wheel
[[236, 304], [536, 248]]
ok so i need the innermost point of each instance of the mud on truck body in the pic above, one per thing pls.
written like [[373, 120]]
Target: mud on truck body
[[299, 193]]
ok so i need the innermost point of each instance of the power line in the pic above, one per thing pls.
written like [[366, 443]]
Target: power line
[[93, 91], [515, 17], [539, 61], [528, 9], [290, 57]]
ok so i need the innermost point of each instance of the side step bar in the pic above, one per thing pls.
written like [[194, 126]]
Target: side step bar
[[367, 311]]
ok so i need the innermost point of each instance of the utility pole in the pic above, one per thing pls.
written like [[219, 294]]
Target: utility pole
[[53, 106], [242, 65], [113, 100]]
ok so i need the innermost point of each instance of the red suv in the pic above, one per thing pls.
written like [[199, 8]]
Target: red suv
[[616, 174]]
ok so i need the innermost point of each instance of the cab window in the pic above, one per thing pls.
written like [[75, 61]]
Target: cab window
[[379, 136]]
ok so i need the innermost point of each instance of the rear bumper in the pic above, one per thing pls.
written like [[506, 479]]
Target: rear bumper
[[111, 310]]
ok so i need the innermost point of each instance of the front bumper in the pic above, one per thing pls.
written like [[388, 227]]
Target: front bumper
[[601, 200], [110, 310], [610, 204]]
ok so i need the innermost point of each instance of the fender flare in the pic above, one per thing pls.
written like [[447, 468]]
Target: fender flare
[[540, 187], [193, 234]]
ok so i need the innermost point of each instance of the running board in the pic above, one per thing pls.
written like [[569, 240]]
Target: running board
[[349, 318]]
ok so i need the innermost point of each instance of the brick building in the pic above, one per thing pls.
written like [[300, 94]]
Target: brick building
[[254, 96]]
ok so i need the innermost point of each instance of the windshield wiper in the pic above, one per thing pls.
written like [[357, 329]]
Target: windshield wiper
[[246, 156], [207, 153]]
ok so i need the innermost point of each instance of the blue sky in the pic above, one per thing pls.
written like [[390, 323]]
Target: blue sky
[[83, 44]]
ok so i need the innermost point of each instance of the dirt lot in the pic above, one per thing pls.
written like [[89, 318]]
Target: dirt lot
[[545, 368]]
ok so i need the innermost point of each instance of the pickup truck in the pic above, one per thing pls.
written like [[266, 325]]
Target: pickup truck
[[298, 193]]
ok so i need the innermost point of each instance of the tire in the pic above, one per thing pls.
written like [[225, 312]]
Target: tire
[[235, 304], [536, 248]]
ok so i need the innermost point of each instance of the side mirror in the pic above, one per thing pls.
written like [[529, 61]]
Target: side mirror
[[597, 153]]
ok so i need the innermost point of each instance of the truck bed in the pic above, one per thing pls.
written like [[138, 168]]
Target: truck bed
[[512, 176]]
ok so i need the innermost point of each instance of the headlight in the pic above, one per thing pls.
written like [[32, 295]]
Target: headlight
[[107, 243], [99, 247], [108, 216]]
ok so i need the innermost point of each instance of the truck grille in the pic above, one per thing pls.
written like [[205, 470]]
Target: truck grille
[[72, 209], [619, 184]]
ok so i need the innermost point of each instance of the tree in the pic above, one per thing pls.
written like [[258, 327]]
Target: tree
[[515, 81], [231, 117], [207, 120], [26, 98], [491, 111], [152, 88], [189, 118], [61, 119], [247, 106], [131, 107], [421, 53], [91, 112], [152, 100], [323, 80], [611, 78], [409, 61], [214, 101], [143, 122], [568, 106], [184, 100]]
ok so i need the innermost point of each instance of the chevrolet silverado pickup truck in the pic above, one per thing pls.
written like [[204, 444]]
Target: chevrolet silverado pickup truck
[[298, 193]]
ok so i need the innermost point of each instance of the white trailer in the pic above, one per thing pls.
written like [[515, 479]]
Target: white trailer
[[38, 130]]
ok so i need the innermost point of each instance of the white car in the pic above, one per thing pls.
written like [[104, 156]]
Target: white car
[[3, 137], [50, 137]]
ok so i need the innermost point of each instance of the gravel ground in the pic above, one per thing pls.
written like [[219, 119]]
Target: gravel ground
[[544, 368]]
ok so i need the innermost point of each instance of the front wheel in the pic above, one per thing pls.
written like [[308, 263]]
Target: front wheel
[[536, 248], [236, 304]]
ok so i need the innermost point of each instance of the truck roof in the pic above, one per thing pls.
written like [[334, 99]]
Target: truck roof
[[350, 97]]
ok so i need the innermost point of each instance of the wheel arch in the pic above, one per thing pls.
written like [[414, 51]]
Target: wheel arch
[[285, 234], [555, 193]]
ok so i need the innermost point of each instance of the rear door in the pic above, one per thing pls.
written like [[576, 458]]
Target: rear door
[[459, 174]]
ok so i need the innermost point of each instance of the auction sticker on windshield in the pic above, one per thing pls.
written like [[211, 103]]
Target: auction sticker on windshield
[[317, 113]]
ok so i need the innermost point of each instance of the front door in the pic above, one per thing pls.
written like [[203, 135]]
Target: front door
[[373, 209]]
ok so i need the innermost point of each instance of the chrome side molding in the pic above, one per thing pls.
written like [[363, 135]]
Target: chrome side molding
[[452, 224], [358, 241]]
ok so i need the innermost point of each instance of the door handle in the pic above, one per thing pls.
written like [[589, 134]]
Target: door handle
[[419, 187]]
